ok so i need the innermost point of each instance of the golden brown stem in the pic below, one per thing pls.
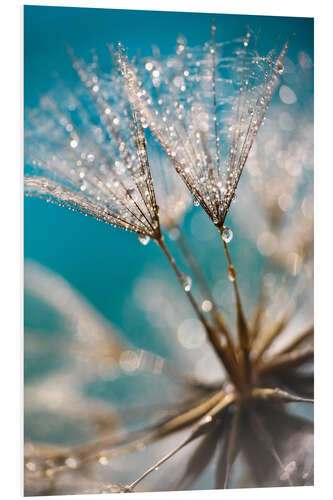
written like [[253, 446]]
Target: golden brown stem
[[201, 427], [212, 334], [243, 331], [205, 292], [308, 333], [284, 361]]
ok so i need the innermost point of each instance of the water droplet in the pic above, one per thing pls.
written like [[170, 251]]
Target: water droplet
[[206, 306], [144, 239], [187, 282], [206, 420], [195, 202], [149, 66], [72, 462], [103, 460], [231, 273], [31, 466], [227, 234], [279, 67]]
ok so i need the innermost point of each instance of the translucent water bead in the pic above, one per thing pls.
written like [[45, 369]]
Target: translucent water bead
[[231, 273], [187, 282], [279, 67], [227, 234], [144, 239]]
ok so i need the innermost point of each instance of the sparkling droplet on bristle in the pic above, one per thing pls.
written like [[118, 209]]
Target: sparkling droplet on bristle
[[231, 273], [227, 234], [195, 202], [144, 239], [187, 282], [279, 67]]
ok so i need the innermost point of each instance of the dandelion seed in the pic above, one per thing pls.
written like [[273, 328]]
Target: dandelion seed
[[117, 186], [209, 142]]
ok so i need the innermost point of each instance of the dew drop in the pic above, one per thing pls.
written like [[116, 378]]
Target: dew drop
[[227, 234], [103, 460], [72, 462], [279, 67], [195, 202], [206, 305], [144, 239], [231, 273], [206, 420], [187, 282], [149, 66], [31, 466]]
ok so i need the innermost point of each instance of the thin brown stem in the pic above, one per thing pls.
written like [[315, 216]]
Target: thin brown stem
[[202, 427], [298, 340], [212, 334], [205, 291], [243, 331], [283, 362]]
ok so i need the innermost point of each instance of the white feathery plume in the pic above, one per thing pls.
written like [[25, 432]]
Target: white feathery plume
[[87, 151], [205, 106]]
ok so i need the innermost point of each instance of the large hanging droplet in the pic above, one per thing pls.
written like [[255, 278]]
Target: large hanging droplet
[[227, 234], [144, 239], [231, 273], [187, 282]]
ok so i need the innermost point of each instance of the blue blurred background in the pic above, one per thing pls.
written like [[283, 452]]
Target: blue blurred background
[[102, 262]]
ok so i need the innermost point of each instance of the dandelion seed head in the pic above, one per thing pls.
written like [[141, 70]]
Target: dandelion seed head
[[198, 115], [92, 160]]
